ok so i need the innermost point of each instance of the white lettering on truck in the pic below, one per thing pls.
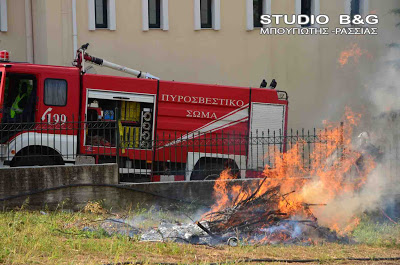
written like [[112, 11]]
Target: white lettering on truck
[[203, 100], [201, 114], [53, 119]]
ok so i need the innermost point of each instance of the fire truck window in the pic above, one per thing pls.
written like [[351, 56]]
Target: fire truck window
[[19, 98], [55, 92]]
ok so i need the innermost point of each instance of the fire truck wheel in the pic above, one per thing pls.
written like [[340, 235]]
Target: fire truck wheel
[[31, 156], [210, 169]]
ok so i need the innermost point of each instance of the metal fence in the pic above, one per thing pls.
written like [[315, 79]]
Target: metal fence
[[169, 156]]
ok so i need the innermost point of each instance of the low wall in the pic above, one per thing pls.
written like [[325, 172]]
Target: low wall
[[104, 178], [15, 181], [100, 182], [165, 194]]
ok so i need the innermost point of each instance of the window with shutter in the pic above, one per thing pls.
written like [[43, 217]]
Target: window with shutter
[[101, 14], [355, 8], [3, 15], [257, 12], [155, 14], [306, 7], [154, 7], [206, 13]]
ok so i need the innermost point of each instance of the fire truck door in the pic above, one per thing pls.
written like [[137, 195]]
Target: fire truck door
[[58, 104]]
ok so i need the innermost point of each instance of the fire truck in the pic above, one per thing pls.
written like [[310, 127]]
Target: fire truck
[[168, 124]]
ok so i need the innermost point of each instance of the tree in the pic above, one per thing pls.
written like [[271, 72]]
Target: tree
[[396, 45]]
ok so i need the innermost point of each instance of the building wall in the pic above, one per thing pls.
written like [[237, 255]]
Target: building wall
[[305, 66], [39, 27], [14, 39]]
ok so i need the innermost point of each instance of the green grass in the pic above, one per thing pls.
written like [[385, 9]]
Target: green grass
[[377, 234], [29, 237]]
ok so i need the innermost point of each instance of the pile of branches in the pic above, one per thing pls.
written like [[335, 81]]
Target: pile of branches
[[249, 214], [253, 216]]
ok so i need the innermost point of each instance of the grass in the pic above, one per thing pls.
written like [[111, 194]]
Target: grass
[[377, 234], [32, 237]]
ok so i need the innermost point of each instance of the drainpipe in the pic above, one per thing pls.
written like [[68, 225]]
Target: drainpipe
[[29, 35], [74, 29]]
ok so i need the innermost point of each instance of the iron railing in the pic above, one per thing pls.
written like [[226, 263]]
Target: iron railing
[[172, 156]]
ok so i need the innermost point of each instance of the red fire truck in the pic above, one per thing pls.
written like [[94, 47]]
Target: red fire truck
[[173, 128]]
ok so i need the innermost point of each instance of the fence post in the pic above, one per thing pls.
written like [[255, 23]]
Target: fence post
[[341, 144], [117, 140], [153, 156], [268, 149]]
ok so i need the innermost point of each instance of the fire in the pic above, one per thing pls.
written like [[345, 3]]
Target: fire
[[354, 52], [315, 192], [222, 191]]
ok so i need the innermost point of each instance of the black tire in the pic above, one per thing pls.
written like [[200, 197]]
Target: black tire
[[31, 157], [36, 161], [206, 171], [211, 169]]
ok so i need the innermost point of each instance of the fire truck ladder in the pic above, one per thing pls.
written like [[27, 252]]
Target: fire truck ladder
[[82, 56]]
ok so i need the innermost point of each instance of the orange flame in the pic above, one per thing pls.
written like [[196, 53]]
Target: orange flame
[[354, 52], [333, 174]]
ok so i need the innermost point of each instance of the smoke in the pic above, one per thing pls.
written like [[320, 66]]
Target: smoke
[[384, 88], [146, 218], [346, 207], [380, 192]]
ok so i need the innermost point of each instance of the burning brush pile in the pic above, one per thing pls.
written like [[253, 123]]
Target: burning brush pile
[[258, 218], [294, 204]]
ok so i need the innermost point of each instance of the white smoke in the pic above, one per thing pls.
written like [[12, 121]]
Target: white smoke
[[384, 88], [383, 125], [374, 195], [382, 122]]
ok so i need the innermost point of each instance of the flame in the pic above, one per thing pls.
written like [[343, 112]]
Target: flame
[[333, 175], [355, 52], [221, 190]]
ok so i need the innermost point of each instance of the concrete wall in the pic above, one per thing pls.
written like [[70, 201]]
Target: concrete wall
[[14, 181], [170, 194], [305, 66]]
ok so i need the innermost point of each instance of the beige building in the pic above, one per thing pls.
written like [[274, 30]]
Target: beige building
[[210, 41]]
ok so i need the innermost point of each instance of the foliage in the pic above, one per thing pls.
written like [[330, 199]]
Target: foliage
[[397, 13], [95, 207]]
